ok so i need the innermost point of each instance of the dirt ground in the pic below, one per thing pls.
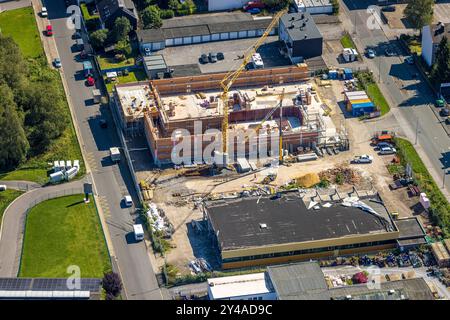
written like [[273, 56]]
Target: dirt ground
[[177, 196]]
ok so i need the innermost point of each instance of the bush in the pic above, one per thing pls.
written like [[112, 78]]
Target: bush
[[167, 14], [112, 285], [119, 57]]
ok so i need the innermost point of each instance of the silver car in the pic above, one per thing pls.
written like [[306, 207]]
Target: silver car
[[387, 150]]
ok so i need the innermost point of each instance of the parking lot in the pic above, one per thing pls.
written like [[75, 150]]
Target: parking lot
[[232, 50]]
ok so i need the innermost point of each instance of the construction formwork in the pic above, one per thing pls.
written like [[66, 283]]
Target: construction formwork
[[161, 126]]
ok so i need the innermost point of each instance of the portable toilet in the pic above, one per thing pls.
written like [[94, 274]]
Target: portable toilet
[[56, 167], [348, 74], [62, 164], [68, 164], [76, 164]]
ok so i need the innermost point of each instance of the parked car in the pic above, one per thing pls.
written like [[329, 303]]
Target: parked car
[[57, 63], [44, 12], [103, 124], [212, 57], [204, 58], [447, 120], [220, 56], [389, 52], [49, 30], [90, 81], [444, 112], [387, 150], [363, 159], [254, 4], [384, 145], [370, 53], [77, 35], [409, 60], [440, 103], [254, 11], [388, 9]]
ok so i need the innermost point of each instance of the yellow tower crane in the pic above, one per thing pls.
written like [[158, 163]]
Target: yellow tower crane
[[232, 75]]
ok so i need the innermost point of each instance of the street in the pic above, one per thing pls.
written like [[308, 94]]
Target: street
[[411, 99], [112, 181]]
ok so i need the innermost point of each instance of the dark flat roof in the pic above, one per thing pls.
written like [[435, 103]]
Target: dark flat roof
[[47, 284], [300, 25], [409, 228], [237, 221]]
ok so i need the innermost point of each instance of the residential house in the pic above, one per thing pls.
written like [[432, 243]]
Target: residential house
[[110, 10]]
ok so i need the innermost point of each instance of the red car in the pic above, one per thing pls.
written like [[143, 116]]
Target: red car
[[49, 30], [90, 81], [254, 4]]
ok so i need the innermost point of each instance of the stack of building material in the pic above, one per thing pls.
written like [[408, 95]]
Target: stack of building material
[[358, 103], [440, 254]]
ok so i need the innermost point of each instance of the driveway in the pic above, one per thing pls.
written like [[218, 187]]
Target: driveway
[[112, 181]]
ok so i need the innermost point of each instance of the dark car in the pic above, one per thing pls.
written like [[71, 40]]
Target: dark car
[[220, 56], [444, 112], [389, 52], [103, 124], [388, 9], [204, 58], [212, 57]]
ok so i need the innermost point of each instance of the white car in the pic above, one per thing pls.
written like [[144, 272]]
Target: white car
[[44, 12], [128, 201], [387, 150], [363, 159]]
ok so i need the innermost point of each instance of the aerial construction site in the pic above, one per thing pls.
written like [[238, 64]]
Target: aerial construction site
[[165, 109]]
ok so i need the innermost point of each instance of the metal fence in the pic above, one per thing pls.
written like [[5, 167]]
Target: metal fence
[[53, 195]]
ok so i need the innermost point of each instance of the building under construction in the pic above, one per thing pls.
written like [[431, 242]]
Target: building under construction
[[168, 108]]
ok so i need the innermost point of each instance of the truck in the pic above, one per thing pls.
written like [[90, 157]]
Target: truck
[[114, 153], [138, 232]]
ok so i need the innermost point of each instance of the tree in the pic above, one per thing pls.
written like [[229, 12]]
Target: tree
[[13, 67], [121, 29], [151, 18], [46, 116], [188, 7], [112, 285], [173, 5], [98, 38], [166, 14], [124, 47], [441, 68], [419, 13], [13, 142]]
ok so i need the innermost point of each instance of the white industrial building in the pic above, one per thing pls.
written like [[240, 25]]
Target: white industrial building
[[314, 6], [221, 5]]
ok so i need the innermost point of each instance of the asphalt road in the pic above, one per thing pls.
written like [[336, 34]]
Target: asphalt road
[[113, 181], [411, 98]]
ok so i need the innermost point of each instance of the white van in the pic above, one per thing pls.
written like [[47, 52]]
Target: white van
[[3, 187], [128, 201], [138, 232]]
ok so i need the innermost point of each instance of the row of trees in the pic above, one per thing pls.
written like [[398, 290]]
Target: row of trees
[[32, 106], [440, 73]]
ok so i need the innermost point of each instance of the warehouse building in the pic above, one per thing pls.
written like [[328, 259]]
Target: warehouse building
[[268, 230], [300, 36], [186, 31], [306, 281]]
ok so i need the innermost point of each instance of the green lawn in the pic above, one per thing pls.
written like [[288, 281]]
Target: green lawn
[[377, 97], [440, 207], [109, 62], [347, 42], [62, 232], [86, 14], [21, 26], [6, 197], [65, 147], [133, 76]]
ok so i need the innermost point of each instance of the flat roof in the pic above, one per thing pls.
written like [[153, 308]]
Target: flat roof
[[300, 26], [155, 62], [299, 281], [408, 289], [241, 285], [410, 228], [237, 222], [203, 25]]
